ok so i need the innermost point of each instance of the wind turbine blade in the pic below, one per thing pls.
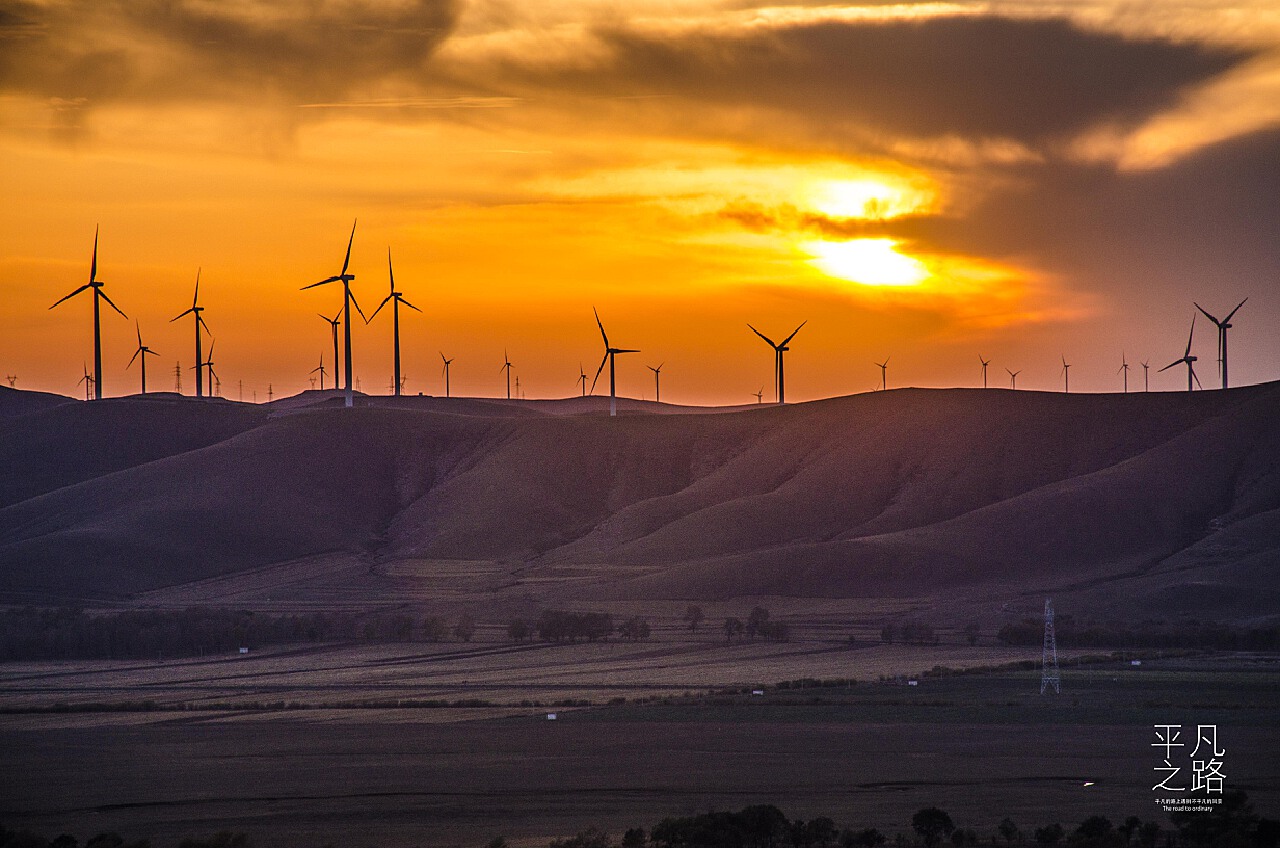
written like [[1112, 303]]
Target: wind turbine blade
[[793, 333], [321, 283], [200, 320], [1190, 335], [390, 273], [410, 305], [598, 370], [347, 260], [196, 297], [356, 304], [135, 356], [93, 264], [1171, 364], [1227, 320], [1192, 369], [379, 309], [209, 355], [1210, 317], [182, 314], [113, 306], [73, 294], [600, 324], [137, 327], [763, 336]]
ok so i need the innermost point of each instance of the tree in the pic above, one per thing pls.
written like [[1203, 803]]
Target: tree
[[1131, 826], [518, 630], [1009, 831], [465, 628], [869, 838], [1050, 834], [1233, 816], [888, 633], [589, 838], [932, 824], [634, 628], [433, 629], [633, 838], [694, 616], [732, 627], [971, 632], [758, 617]]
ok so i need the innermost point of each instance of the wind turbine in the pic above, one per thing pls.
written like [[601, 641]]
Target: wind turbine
[[582, 378], [87, 380], [884, 374], [985, 363], [609, 354], [95, 284], [333, 326], [1223, 326], [195, 310], [657, 385], [1146, 376], [144, 352], [208, 363], [506, 366], [395, 317], [12, 378], [445, 369], [1124, 366], [1013, 378], [320, 369], [779, 380], [1066, 376], [760, 395], [1187, 357], [347, 300]]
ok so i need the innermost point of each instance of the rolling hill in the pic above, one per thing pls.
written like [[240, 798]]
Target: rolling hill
[[1160, 502]]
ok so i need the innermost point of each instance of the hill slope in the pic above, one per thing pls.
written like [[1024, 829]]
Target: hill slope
[[910, 492]]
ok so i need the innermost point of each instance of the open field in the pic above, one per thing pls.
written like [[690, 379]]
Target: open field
[[981, 746]]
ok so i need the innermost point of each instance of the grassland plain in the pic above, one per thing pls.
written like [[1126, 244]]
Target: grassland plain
[[982, 746]]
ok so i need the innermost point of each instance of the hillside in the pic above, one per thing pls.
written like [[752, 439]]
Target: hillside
[[1163, 501]]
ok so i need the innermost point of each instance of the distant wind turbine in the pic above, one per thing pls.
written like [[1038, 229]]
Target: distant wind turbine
[[985, 363], [333, 327], [195, 310], [142, 351], [1013, 378], [445, 369], [12, 378], [208, 363], [506, 366], [321, 371], [884, 374], [657, 385], [87, 380], [582, 378], [1223, 326], [760, 395], [1146, 376], [397, 299], [1187, 357], [609, 353], [1124, 366], [1066, 376], [98, 294], [347, 300], [779, 376]]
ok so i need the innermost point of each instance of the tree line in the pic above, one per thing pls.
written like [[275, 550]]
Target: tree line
[[1230, 824], [1189, 634]]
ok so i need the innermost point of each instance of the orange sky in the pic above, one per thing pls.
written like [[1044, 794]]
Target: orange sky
[[925, 182]]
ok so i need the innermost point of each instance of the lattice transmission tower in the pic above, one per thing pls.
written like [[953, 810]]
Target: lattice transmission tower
[[1049, 658]]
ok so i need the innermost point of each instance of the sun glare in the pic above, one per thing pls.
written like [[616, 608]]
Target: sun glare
[[866, 198], [869, 262]]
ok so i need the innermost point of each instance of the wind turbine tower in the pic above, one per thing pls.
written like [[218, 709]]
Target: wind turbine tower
[[397, 299], [1223, 326], [506, 366], [1049, 655], [985, 363], [322, 372], [582, 378], [96, 285], [1187, 357], [1066, 376], [884, 374], [1124, 366], [779, 376], [609, 353], [1013, 378], [657, 385], [347, 300], [142, 351], [1146, 376], [333, 327], [445, 369], [195, 310]]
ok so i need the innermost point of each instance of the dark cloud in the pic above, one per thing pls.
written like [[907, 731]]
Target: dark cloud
[[92, 51], [975, 77]]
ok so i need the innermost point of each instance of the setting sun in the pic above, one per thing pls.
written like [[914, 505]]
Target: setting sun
[[870, 262]]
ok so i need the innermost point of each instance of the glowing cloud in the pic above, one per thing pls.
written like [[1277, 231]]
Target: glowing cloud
[[869, 262]]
